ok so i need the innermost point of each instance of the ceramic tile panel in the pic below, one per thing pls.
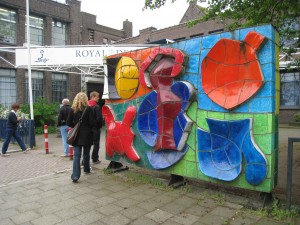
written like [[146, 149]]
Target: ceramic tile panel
[[204, 108]]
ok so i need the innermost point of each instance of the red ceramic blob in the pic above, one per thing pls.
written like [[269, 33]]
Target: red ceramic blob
[[119, 136], [231, 73]]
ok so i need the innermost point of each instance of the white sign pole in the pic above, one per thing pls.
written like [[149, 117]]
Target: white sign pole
[[29, 61]]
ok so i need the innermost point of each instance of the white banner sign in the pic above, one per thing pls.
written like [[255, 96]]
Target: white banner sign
[[68, 56]]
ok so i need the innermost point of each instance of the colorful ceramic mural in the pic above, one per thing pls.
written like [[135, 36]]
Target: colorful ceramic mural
[[204, 108]]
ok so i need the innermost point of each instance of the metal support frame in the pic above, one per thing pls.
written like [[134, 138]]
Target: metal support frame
[[290, 171], [176, 181], [117, 166]]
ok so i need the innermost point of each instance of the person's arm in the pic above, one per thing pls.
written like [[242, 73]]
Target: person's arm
[[98, 116], [13, 118]]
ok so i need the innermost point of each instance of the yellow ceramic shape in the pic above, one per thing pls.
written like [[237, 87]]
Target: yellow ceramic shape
[[126, 77]]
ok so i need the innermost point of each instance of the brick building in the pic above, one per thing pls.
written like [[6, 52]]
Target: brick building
[[51, 24]]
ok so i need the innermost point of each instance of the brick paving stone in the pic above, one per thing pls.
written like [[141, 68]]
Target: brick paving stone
[[90, 217], [144, 220], [171, 207], [125, 203], [47, 220], [117, 218], [7, 222], [212, 219], [197, 210], [109, 209], [159, 215], [24, 217], [224, 212], [133, 212], [184, 218]]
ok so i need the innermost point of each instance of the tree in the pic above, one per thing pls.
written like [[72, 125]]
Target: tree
[[284, 15]]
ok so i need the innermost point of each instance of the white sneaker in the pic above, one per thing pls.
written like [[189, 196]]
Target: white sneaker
[[5, 155], [26, 150]]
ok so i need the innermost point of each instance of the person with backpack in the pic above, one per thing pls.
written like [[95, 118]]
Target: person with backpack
[[62, 124], [93, 102]]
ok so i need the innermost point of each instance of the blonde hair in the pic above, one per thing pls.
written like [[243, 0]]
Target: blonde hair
[[80, 102]]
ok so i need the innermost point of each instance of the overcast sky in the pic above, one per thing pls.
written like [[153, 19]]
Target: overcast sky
[[112, 13]]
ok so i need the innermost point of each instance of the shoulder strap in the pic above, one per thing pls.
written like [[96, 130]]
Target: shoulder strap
[[82, 114]]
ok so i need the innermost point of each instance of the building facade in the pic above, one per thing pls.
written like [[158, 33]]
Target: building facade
[[51, 24]]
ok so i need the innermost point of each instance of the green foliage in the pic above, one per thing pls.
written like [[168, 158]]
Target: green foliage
[[51, 130], [44, 112], [4, 113], [297, 117], [282, 214]]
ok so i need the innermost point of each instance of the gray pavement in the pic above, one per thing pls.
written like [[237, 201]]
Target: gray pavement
[[35, 188]]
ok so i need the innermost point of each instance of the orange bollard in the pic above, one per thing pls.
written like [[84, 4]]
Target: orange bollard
[[70, 148], [46, 139]]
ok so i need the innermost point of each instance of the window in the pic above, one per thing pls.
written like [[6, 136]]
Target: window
[[36, 25], [8, 93], [105, 41], [290, 89], [59, 33], [91, 35], [8, 26], [37, 83], [59, 87]]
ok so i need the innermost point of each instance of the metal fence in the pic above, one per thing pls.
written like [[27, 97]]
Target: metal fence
[[26, 131]]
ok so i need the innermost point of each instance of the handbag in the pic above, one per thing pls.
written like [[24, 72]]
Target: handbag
[[72, 134]]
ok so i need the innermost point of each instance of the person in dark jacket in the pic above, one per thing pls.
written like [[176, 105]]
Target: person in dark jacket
[[93, 102], [62, 123], [84, 138], [11, 130]]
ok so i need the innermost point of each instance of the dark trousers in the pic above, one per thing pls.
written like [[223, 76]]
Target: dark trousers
[[96, 142], [10, 132]]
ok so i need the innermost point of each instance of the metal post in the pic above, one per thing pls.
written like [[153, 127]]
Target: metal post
[[29, 61], [290, 171]]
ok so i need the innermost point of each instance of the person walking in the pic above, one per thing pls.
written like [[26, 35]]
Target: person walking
[[11, 130], [62, 124], [93, 102], [81, 111]]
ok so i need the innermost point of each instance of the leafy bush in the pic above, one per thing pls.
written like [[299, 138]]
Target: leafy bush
[[44, 112], [51, 130], [297, 117], [4, 113]]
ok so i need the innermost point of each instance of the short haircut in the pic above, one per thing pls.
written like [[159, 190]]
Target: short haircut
[[94, 94], [15, 106]]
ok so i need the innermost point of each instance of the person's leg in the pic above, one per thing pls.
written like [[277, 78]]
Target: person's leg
[[76, 163], [86, 159], [96, 142], [9, 133], [19, 140], [64, 132]]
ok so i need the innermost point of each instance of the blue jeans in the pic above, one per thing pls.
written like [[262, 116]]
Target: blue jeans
[[64, 132], [76, 160], [9, 134]]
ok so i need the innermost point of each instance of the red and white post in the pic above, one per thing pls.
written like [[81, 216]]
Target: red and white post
[[46, 139], [70, 148]]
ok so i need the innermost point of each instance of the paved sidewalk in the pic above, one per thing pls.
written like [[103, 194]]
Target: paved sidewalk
[[35, 188]]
